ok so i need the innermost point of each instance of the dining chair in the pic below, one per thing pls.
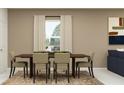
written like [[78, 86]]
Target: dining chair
[[15, 63], [61, 59], [40, 60], [39, 70], [88, 64]]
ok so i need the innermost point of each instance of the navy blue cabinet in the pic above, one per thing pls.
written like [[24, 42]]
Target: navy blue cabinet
[[116, 39], [115, 62]]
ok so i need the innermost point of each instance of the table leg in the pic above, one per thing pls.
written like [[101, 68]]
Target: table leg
[[73, 67], [31, 67]]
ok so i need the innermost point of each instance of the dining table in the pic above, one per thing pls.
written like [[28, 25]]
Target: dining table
[[51, 55]]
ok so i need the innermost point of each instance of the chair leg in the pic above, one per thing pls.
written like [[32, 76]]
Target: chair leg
[[24, 72], [78, 72], [34, 73], [76, 68], [10, 71], [92, 72], [89, 71], [68, 74], [49, 72], [27, 69], [13, 71], [56, 72], [46, 72]]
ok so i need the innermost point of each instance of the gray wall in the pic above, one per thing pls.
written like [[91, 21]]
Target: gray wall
[[90, 28]]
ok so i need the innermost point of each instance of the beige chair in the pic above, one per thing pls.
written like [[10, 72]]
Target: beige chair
[[61, 59], [40, 59], [39, 70], [88, 64], [15, 64]]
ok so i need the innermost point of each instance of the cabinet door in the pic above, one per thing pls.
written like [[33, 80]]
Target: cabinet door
[[3, 15], [3, 40], [0, 15], [0, 46]]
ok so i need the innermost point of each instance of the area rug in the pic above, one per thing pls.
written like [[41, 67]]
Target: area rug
[[84, 79]]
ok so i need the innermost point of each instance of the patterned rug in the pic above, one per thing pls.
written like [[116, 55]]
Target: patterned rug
[[84, 79]]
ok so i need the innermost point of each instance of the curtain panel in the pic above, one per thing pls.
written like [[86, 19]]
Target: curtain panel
[[39, 33], [66, 33]]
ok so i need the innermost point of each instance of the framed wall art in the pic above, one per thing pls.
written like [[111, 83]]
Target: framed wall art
[[116, 30]]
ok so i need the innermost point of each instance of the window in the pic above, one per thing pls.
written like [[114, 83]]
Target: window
[[52, 32], [45, 33]]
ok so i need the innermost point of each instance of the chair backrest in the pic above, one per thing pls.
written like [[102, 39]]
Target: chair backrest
[[92, 56], [62, 57], [40, 57], [12, 56]]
